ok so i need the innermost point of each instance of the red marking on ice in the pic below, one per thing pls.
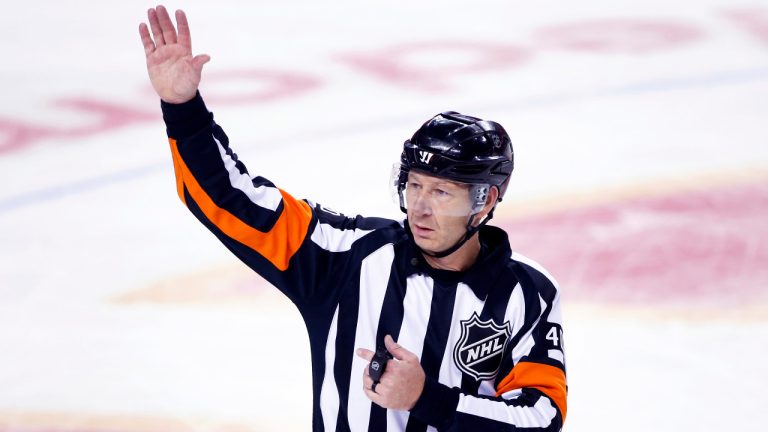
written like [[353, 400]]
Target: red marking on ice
[[616, 35], [708, 247], [16, 134], [104, 116], [753, 20], [271, 85], [107, 116], [405, 65]]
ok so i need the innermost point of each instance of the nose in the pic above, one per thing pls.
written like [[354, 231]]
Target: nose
[[422, 206]]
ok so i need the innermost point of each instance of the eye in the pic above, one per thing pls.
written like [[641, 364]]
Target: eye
[[413, 185], [441, 193]]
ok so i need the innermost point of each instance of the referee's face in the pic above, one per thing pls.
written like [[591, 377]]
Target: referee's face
[[438, 211]]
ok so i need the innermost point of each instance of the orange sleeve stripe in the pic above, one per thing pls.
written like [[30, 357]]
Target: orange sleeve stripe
[[550, 380], [277, 246], [177, 170]]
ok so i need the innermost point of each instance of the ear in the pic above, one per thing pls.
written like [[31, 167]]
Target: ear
[[490, 201]]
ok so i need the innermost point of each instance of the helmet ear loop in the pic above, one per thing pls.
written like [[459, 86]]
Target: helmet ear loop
[[471, 230], [487, 218]]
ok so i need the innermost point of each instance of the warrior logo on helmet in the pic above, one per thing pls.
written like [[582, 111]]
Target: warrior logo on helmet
[[425, 156]]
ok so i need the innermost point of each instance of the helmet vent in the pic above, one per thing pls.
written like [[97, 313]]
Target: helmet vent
[[468, 169]]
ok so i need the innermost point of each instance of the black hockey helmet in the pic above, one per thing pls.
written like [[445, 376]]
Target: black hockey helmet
[[461, 148]]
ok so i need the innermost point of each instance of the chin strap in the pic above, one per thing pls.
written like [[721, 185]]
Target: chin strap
[[471, 230]]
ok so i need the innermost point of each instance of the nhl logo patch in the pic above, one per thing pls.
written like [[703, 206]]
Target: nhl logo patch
[[480, 348]]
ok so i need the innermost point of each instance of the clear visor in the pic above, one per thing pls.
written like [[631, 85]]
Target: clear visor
[[427, 194]]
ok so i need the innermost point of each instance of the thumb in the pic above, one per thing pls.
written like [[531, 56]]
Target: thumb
[[199, 60], [396, 349]]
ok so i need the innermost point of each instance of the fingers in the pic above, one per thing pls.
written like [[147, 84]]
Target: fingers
[[368, 381], [365, 354], [163, 32], [154, 24], [185, 37], [368, 388], [146, 39], [396, 350], [372, 395], [166, 26]]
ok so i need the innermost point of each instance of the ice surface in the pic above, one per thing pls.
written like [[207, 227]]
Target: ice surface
[[640, 136]]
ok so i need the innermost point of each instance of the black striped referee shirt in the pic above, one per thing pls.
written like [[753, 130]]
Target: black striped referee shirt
[[489, 339]]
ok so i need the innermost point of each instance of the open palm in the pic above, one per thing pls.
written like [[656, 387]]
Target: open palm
[[173, 71]]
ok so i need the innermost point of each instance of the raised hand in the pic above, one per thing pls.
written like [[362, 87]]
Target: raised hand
[[173, 71]]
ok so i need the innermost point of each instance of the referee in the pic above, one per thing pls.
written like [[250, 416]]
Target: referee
[[431, 323]]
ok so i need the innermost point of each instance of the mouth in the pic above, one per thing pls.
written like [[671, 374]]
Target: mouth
[[421, 230]]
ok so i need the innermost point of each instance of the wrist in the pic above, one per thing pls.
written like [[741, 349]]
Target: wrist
[[177, 100], [419, 393], [186, 118]]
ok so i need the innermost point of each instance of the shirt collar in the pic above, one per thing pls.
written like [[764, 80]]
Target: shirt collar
[[495, 253]]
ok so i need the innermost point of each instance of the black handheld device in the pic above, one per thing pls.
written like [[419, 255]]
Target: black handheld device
[[378, 364]]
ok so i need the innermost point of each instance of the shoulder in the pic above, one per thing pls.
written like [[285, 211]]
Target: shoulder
[[337, 220], [337, 232], [532, 276]]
